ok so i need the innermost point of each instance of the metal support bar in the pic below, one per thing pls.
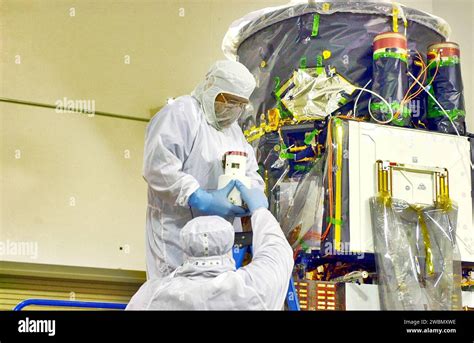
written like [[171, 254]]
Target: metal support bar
[[95, 113]]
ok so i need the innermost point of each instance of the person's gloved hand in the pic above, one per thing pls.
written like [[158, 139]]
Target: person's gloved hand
[[216, 202], [253, 197]]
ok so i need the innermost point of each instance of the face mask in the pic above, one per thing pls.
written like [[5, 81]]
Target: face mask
[[227, 114]]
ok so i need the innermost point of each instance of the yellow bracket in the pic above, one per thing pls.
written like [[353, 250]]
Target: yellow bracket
[[274, 124], [254, 133], [395, 13], [441, 199], [298, 148], [442, 190], [338, 134], [440, 177]]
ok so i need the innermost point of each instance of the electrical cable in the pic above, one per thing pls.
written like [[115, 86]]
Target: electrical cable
[[354, 110], [441, 107], [423, 73], [386, 103]]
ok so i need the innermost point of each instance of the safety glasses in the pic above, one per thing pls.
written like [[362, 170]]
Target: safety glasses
[[229, 102]]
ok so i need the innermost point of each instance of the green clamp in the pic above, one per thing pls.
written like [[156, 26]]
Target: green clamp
[[277, 83], [303, 63], [316, 19], [311, 136], [334, 221], [302, 168], [319, 61], [287, 156]]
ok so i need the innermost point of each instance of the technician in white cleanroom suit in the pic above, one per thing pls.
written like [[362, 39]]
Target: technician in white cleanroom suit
[[207, 279], [184, 146]]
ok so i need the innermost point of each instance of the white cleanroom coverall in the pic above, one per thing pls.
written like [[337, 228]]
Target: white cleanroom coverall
[[184, 147], [207, 279]]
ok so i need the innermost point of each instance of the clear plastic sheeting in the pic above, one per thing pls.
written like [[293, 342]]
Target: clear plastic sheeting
[[302, 220], [253, 22], [315, 92], [274, 42], [399, 286], [443, 284], [418, 261], [282, 195]]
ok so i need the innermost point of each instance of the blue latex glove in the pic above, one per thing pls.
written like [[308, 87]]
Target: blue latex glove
[[216, 202], [253, 197]]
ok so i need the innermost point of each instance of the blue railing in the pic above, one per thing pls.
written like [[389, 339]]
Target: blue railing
[[69, 303], [239, 254]]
